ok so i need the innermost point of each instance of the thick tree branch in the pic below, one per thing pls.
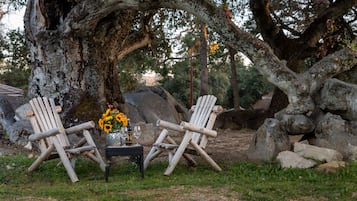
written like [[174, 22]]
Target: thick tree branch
[[316, 29], [306, 43], [271, 33], [331, 65], [267, 63], [87, 16], [132, 43]]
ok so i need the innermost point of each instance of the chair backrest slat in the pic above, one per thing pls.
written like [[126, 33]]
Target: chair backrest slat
[[47, 118], [201, 113], [62, 137]]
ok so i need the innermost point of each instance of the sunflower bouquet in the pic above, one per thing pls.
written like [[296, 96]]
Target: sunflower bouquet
[[112, 120]]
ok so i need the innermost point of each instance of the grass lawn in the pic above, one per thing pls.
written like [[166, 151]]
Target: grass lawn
[[238, 181]]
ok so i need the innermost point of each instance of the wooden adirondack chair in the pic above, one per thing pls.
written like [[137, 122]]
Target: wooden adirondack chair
[[195, 136], [53, 139]]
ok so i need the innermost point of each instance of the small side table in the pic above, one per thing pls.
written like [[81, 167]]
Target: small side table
[[136, 151]]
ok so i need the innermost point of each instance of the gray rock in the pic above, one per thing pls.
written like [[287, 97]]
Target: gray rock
[[289, 159], [295, 124], [268, 141], [317, 153], [19, 131], [20, 112], [152, 103], [336, 133], [341, 97], [6, 112]]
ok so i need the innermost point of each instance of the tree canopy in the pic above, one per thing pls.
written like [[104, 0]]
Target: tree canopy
[[299, 44]]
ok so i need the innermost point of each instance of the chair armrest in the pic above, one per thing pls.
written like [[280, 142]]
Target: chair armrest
[[37, 136], [169, 125], [80, 127], [194, 128]]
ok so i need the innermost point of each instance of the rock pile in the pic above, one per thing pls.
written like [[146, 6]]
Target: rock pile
[[329, 133]]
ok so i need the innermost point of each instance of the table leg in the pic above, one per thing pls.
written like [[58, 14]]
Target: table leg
[[141, 165], [107, 170]]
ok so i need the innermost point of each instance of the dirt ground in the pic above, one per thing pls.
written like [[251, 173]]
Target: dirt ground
[[229, 145]]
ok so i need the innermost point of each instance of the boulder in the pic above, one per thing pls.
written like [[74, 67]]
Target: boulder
[[268, 141], [7, 113], [295, 124], [289, 159], [317, 153], [19, 131], [336, 133], [339, 97], [20, 112], [149, 104]]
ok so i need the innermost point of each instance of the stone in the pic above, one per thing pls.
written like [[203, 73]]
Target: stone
[[268, 141], [331, 167], [295, 124], [21, 110], [150, 104], [6, 112], [289, 159], [317, 153], [19, 131], [337, 95], [336, 133]]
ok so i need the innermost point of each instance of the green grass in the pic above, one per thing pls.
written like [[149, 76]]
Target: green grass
[[238, 181]]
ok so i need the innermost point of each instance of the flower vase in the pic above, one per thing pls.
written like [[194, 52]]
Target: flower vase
[[113, 138]]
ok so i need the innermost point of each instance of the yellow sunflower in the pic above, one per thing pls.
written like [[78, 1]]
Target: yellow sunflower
[[101, 123], [107, 128]]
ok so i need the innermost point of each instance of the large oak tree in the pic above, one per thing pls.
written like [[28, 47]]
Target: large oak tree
[[75, 46]]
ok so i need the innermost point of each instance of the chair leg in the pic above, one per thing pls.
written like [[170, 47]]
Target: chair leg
[[41, 158], [178, 154], [206, 156], [90, 141], [73, 162], [65, 160], [154, 152], [188, 157]]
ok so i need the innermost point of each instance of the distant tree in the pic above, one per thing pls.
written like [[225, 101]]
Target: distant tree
[[179, 84], [234, 80], [203, 59], [16, 61]]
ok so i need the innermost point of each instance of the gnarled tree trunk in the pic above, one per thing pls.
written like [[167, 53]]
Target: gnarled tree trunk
[[75, 48]]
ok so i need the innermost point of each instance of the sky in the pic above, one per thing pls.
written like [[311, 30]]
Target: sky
[[14, 20]]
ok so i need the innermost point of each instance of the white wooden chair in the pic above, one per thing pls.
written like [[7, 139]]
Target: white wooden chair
[[195, 133], [53, 139]]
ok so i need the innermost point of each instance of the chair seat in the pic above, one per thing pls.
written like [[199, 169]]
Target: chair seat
[[79, 150], [166, 146]]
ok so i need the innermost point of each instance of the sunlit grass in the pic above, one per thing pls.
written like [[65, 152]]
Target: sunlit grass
[[238, 181]]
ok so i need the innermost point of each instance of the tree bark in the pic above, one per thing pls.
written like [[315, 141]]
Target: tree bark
[[203, 60], [75, 49], [234, 80]]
